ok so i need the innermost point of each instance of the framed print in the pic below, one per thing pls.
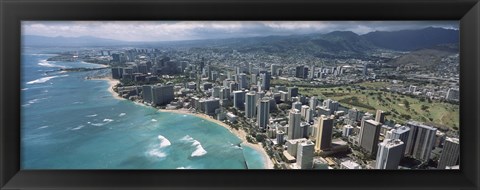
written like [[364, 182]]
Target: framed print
[[203, 94]]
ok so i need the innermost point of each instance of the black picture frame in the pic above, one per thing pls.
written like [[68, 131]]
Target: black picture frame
[[14, 11]]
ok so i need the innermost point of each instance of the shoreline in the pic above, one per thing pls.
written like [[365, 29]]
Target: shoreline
[[111, 83], [241, 134]]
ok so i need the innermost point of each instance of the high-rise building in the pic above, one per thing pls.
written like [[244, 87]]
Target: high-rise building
[[297, 105], [421, 140], [347, 130], [299, 71], [216, 92], [305, 155], [389, 154], [309, 115], [147, 93], [224, 94], [370, 132], [292, 92], [324, 133], [294, 119], [253, 79], [312, 72], [450, 154], [263, 113], [331, 104], [250, 105], [313, 102], [303, 111], [117, 72], [274, 69], [265, 81], [162, 94], [280, 137], [242, 81], [380, 116], [400, 133], [238, 99], [211, 105]]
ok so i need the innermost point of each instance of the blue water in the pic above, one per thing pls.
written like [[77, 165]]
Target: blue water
[[72, 123]]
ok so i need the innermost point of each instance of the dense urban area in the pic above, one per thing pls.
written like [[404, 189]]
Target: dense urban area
[[339, 111]]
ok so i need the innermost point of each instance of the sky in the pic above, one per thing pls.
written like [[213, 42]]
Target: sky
[[195, 30]]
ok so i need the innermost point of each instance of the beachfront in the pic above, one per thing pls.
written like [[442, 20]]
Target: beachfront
[[241, 134]]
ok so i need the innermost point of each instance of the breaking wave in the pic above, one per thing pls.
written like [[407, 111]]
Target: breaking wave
[[45, 63], [156, 149], [164, 142], [44, 79], [199, 150], [77, 128], [105, 121]]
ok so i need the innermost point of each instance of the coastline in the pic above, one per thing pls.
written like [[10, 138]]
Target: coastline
[[241, 134], [111, 83]]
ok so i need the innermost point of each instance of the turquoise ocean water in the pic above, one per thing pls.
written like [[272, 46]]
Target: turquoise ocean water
[[72, 123]]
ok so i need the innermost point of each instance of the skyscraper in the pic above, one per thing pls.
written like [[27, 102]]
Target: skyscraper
[[292, 92], [263, 113], [294, 131], [450, 153], [400, 133], [299, 71], [250, 105], [370, 132], [390, 151], [305, 155], [420, 140], [162, 94], [312, 72], [238, 99], [265, 81], [324, 134], [380, 116], [147, 93], [242, 81], [297, 105], [313, 102], [274, 69]]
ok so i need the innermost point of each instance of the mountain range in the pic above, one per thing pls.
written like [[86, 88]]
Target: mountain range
[[333, 43]]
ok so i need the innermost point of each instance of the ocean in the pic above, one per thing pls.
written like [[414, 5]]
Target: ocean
[[68, 122]]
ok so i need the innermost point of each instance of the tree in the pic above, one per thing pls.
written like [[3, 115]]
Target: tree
[[406, 103]]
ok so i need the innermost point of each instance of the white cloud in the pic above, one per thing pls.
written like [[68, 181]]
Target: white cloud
[[188, 30]]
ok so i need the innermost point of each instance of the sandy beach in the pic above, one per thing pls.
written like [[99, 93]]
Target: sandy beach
[[111, 83], [239, 133]]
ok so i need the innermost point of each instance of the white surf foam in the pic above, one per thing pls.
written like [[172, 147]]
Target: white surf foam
[[199, 150], [122, 114], [188, 167], [164, 142], [43, 127], [105, 121], [44, 79], [77, 128], [93, 115], [157, 153], [45, 63], [154, 120]]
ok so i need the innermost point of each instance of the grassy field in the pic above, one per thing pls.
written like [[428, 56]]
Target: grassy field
[[401, 108]]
